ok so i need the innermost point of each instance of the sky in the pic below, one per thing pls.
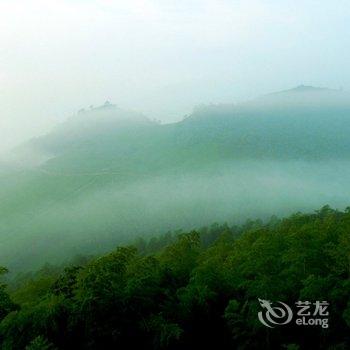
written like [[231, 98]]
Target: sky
[[160, 57]]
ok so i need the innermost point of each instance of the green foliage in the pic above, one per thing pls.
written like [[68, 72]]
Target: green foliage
[[40, 343], [6, 304], [197, 289]]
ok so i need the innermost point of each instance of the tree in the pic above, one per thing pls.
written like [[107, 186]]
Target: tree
[[6, 304], [40, 343]]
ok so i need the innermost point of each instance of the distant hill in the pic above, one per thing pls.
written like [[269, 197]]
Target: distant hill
[[106, 174], [301, 123]]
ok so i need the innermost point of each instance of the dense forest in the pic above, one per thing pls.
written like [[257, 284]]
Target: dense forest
[[187, 290]]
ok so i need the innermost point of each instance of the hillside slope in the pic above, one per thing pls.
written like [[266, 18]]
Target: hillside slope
[[106, 174]]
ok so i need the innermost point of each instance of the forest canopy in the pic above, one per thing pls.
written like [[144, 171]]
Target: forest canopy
[[184, 290]]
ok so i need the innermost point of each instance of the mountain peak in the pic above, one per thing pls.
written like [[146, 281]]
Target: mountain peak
[[304, 96], [308, 88], [305, 89], [104, 114]]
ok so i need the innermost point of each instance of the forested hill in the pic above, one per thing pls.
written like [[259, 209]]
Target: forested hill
[[107, 175], [191, 290], [301, 123]]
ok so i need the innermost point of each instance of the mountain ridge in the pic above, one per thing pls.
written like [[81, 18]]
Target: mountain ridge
[[220, 162]]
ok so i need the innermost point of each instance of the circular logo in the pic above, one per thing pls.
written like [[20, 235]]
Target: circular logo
[[274, 315]]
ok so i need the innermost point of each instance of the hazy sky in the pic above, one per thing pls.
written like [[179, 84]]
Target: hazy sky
[[160, 56]]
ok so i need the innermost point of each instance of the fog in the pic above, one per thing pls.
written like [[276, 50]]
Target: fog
[[89, 181], [160, 57], [94, 219]]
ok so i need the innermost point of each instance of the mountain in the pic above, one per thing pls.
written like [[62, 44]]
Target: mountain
[[314, 121], [86, 127], [107, 175]]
